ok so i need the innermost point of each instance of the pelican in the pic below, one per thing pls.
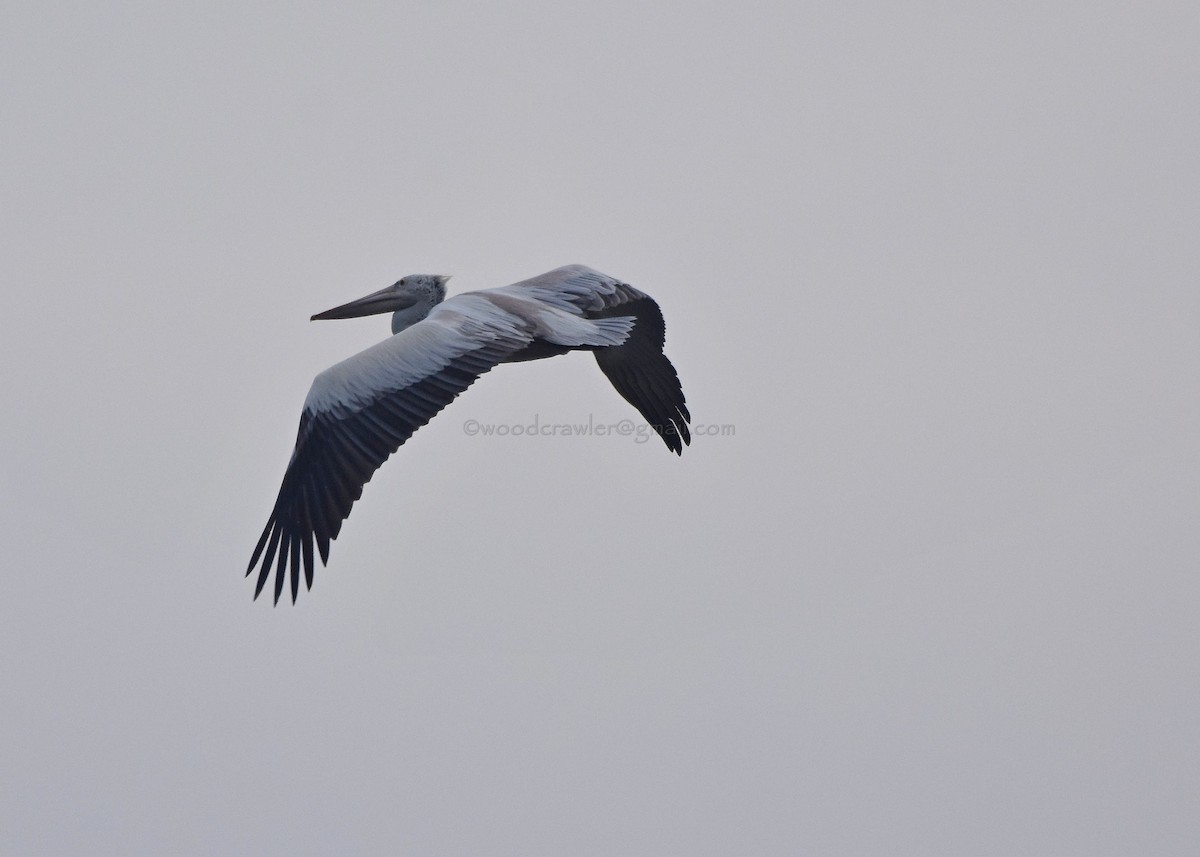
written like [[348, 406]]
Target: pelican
[[359, 411]]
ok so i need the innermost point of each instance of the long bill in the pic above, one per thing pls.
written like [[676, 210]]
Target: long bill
[[388, 299]]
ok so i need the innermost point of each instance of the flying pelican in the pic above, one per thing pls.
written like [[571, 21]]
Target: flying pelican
[[361, 410]]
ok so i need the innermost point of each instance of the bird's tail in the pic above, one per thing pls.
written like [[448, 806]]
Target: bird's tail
[[576, 332]]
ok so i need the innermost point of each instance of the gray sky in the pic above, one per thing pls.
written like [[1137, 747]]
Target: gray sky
[[936, 263]]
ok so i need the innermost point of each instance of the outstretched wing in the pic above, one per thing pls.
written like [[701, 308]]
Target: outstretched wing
[[641, 372], [360, 411], [638, 368]]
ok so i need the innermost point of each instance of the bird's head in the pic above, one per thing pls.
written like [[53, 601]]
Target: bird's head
[[409, 299]]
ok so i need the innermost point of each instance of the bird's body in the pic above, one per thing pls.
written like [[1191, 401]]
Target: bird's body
[[362, 409]]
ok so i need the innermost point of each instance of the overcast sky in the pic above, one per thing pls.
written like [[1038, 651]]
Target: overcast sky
[[935, 264]]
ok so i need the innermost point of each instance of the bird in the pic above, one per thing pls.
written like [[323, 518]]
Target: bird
[[361, 410]]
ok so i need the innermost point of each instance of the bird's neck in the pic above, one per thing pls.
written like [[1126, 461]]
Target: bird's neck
[[409, 316]]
